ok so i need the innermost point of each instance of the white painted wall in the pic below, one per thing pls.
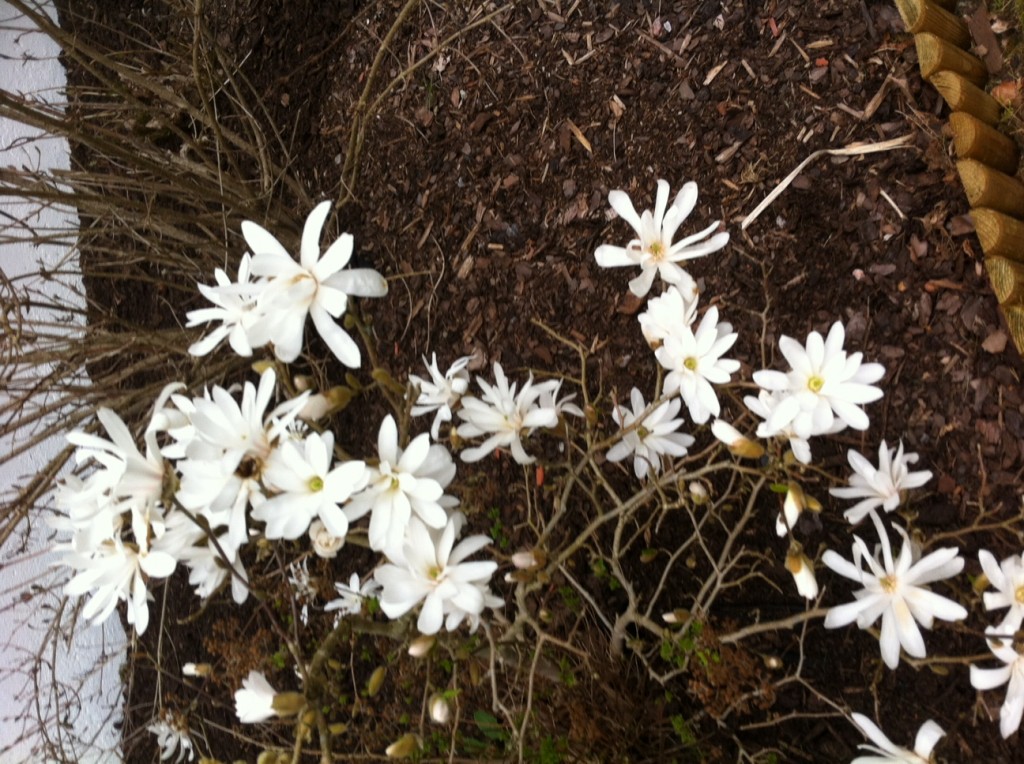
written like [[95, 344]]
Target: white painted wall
[[68, 678]]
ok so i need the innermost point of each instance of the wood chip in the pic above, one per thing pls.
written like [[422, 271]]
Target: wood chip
[[578, 135], [714, 73], [729, 153]]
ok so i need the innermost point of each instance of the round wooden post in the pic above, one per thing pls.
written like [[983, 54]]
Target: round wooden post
[[1000, 235], [935, 55], [961, 95], [924, 16], [973, 139], [1007, 279], [1015, 323], [990, 188]]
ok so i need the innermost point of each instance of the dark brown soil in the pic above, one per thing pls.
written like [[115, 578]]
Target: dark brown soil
[[483, 194]]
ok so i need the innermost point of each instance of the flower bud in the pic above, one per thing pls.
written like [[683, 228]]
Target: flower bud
[[404, 747], [525, 560], [324, 543], [288, 703], [440, 711], [676, 616], [698, 493], [802, 569], [197, 669], [738, 443], [422, 645], [376, 680]]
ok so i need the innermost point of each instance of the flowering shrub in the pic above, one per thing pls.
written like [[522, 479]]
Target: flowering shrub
[[231, 470]]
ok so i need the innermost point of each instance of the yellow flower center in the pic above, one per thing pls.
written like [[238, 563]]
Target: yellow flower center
[[1018, 594], [888, 584], [657, 250], [691, 363], [316, 484], [434, 573], [815, 383]]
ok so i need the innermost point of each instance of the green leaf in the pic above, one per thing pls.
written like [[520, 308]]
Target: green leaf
[[489, 725]]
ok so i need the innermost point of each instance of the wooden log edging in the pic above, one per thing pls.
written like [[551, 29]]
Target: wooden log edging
[[987, 160]]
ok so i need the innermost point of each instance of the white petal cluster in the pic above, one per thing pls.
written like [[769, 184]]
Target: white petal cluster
[[648, 438], [890, 753], [1007, 578], [880, 487], [653, 249], [274, 307], [430, 571], [309, 484], [117, 520], [897, 591], [762, 405], [824, 388], [402, 484], [441, 392], [666, 313], [352, 595], [506, 416], [1001, 643], [694, 363], [172, 737], [254, 702]]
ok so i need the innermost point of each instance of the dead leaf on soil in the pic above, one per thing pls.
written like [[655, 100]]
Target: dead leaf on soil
[[995, 342]]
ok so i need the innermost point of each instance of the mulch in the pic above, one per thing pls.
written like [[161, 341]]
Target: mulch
[[483, 195]]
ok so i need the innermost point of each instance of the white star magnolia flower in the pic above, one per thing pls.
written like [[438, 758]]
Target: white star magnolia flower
[[879, 487], [236, 310], [654, 250], [352, 595], [896, 591], [403, 483], [126, 479], [441, 392], [432, 572], [890, 753], [650, 437], [763, 405], [123, 480], [823, 384], [666, 313], [316, 286], [1007, 578], [254, 702], [1011, 671], [308, 488], [231, 446], [172, 736], [207, 568], [506, 416], [694, 362], [117, 571]]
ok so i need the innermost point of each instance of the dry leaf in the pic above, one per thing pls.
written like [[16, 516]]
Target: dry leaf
[[1008, 93], [995, 342]]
